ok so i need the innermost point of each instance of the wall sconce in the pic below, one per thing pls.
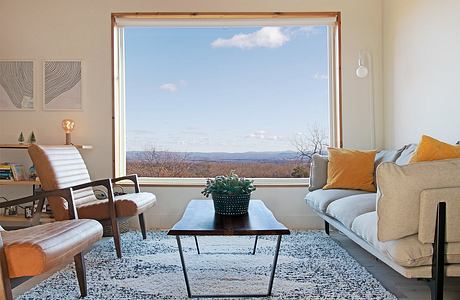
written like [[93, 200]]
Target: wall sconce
[[68, 126], [363, 71]]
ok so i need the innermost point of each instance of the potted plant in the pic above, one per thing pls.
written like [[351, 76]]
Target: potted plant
[[230, 194]]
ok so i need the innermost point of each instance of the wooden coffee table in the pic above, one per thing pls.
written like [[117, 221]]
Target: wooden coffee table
[[199, 219]]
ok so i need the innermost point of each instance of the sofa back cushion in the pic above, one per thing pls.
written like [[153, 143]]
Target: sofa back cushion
[[318, 172], [406, 154], [399, 193]]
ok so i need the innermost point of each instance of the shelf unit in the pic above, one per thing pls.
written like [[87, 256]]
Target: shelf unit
[[25, 146], [18, 221], [21, 182]]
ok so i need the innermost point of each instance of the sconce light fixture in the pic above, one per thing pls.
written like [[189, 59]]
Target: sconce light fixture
[[68, 125], [362, 71]]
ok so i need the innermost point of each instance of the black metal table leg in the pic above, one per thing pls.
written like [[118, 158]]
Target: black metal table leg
[[255, 245], [275, 261], [197, 247], [270, 283], [181, 254]]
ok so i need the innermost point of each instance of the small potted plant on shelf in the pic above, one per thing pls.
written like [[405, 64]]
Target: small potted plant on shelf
[[230, 194]]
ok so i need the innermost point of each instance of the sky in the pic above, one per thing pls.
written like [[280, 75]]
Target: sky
[[232, 89]]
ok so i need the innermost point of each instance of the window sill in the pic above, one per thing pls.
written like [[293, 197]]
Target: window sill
[[200, 182]]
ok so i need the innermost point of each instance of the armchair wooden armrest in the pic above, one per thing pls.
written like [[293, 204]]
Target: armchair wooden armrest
[[131, 177], [66, 194]]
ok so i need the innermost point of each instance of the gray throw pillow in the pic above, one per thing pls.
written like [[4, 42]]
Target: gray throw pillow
[[318, 172], [406, 154]]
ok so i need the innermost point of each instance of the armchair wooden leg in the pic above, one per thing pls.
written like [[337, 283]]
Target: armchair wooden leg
[[142, 225], [116, 236], [81, 274], [326, 227]]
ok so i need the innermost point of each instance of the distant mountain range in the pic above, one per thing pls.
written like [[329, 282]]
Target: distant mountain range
[[226, 156]]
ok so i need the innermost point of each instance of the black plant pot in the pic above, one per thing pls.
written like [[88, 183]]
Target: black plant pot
[[231, 205]]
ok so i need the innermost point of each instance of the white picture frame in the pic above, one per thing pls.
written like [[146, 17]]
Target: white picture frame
[[17, 85], [62, 85]]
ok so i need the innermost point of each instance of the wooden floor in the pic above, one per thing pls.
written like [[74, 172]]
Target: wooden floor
[[400, 286]]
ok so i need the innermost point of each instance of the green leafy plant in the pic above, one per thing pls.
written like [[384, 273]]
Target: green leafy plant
[[230, 185]]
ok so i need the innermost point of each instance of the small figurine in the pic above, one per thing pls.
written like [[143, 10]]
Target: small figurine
[[21, 138], [32, 138], [32, 173]]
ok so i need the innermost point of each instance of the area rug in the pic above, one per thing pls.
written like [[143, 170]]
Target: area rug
[[311, 266]]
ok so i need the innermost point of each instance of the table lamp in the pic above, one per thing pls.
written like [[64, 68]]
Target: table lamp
[[68, 126]]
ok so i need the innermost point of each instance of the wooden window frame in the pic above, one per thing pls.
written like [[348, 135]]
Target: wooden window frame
[[336, 112]]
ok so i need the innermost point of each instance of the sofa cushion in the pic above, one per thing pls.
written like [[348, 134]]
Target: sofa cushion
[[318, 172], [430, 149], [350, 169], [406, 154], [320, 199], [387, 156], [127, 205], [408, 251], [347, 209], [400, 187], [32, 251]]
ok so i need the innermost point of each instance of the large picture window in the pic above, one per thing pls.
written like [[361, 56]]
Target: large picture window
[[199, 99]]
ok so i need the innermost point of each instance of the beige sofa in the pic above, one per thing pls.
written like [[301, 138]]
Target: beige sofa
[[398, 223]]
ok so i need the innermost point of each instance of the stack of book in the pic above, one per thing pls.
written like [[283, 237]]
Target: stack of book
[[5, 172], [9, 171]]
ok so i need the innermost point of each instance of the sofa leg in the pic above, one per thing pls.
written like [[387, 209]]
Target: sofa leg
[[81, 274], [142, 225], [116, 236], [437, 267], [326, 227]]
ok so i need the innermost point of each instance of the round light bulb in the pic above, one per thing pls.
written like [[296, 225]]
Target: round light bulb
[[362, 72], [68, 125]]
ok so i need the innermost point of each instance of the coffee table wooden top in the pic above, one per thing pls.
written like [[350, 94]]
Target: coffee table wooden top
[[200, 219]]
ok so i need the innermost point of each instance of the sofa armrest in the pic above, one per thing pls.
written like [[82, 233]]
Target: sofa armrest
[[429, 200], [318, 172]]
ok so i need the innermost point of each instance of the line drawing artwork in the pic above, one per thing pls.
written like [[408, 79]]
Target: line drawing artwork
[[62, 85], [16, 85]]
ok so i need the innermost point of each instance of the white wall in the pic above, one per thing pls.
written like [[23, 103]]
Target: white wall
[[57, 29], [421, 70]]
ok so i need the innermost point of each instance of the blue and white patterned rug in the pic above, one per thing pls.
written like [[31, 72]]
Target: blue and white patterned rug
[[311, 266]]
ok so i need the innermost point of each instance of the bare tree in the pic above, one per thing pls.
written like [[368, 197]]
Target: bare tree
[[164, 163], [314, 142]]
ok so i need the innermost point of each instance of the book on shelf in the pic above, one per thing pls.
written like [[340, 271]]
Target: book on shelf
[[6, 172], [19, 172], [12, 171]]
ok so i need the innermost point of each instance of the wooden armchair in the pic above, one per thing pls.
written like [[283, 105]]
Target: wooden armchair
[[32, 251], [62, 167]]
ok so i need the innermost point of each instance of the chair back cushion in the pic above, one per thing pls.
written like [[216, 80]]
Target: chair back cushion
[[60, 167], [399, 195]]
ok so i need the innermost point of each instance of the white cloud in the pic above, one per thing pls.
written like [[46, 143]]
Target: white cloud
[[183, 82], [266, 37], [319, 76], [262, 135], [169, 87]]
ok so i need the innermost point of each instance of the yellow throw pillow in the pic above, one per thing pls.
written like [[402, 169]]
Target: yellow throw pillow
[[430, 149], [350, 169]]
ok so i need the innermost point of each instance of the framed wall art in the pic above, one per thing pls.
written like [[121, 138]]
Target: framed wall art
[[17, 85], [62, 85]]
